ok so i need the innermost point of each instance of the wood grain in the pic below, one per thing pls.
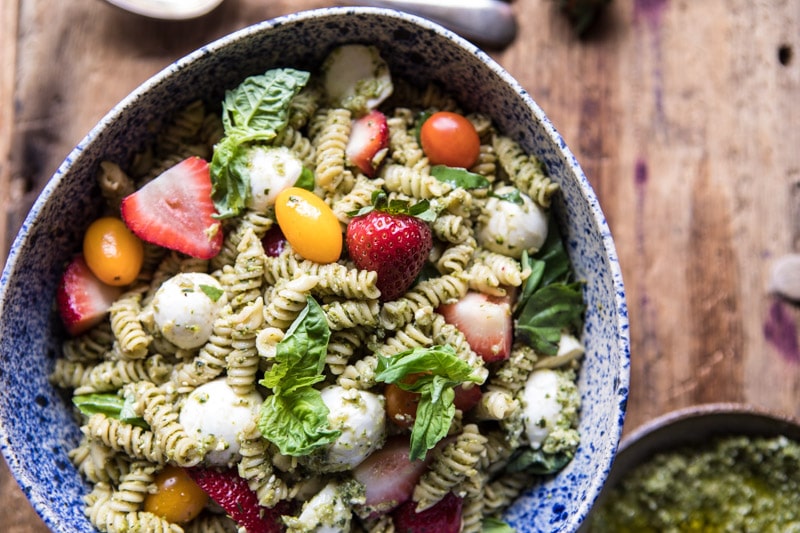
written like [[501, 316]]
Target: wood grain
[[682, 113]]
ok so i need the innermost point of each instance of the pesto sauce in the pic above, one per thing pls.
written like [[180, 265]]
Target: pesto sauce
[[732, 484]]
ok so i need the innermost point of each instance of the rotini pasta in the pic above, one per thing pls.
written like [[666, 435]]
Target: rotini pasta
[[281, 334]]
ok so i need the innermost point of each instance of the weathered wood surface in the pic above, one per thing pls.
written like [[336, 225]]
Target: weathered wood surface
[[683, 114]]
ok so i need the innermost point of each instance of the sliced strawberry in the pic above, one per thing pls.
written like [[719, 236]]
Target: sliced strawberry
[[274, 242], [389, 476], [233, 494], [443, 517], [175, 211], [486, 323], [82, 299], [467, 398], [395, 246], [369, 138]]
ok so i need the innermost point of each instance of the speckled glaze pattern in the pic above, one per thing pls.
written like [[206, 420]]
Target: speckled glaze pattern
[[36, 425]]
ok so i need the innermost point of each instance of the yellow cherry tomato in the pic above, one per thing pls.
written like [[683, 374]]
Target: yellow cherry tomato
[[177, 499], [112, 251], [309, 225]]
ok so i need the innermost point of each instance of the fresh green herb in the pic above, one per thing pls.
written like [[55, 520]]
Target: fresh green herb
[[495, 525], [256, 111], [214, 293], [514, 197], [459, 177], [537, 462], [294, 417], [438, 370], [549, 302], [110, 405], [425, 115], [306, 179], [381, 202]]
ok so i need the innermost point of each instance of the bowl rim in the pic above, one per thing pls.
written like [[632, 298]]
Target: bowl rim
[[620, 345]]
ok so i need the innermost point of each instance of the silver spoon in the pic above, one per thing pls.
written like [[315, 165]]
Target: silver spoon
[[489, 23]]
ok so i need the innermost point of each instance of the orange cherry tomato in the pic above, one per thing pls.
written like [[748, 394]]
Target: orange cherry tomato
[[309, 225], [401, 405], [450, 139], [112, 252], [177, 499]]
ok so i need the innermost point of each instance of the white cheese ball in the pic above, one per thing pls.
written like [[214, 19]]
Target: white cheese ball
[[185, 307], [328, 511], [356, 77], [215, 416], [541, 408], [361, 417], [509, 227], [272, 169]]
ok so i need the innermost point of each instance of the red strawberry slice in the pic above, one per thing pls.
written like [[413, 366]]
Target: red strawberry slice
[[389, 476], [233, 494], [486, 323], [175, 211], [82, 299], [369, 138], [467, 398], [395, 246], [443, 517]]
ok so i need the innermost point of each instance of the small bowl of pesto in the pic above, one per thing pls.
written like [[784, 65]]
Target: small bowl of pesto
[[712, 467]]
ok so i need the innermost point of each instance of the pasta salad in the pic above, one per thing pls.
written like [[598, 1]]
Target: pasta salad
[[336, 302]]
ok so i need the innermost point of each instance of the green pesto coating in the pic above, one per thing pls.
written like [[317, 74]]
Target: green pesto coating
[[732, 484]]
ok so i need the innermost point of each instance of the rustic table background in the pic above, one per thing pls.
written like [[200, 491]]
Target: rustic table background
[[685, 115]]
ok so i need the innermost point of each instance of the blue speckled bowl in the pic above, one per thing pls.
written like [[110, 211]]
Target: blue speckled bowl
[[36, 428]]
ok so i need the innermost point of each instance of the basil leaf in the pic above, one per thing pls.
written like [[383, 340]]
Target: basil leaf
[[256, 111], [230, 183], [306, 179], [435, 413], [537, 462], [294, 417], [514, 197], [259, 107], [296, 422], [495, 525], [547, 312], [110, 405], [214, 293], [438, 371], [459, 177]]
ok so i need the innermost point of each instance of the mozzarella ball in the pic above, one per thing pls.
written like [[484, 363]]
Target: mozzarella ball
[[511, 227], [185, 307], [541, 405], [328, 511], [361, 417], [357, 78], [215, 416], [272, 169]]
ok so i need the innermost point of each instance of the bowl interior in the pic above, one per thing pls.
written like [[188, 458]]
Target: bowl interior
[[36, 427], [694, 425]]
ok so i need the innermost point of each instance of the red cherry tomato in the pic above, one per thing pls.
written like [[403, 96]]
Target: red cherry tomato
[[401, 405], [450, 139]]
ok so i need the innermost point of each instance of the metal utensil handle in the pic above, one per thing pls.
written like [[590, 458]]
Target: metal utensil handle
[[489, 23]]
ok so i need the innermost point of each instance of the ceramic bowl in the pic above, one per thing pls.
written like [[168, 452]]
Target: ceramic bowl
[[36, 426], [692, 426]]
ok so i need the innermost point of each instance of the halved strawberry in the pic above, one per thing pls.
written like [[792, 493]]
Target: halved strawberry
[[369, 139], [82, 299], [175, 211], [443, 517], [486, 323], [467, 398], [394, 245], [389, 476], [233, 494]]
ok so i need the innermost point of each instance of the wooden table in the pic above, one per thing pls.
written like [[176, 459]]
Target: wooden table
[[684, 115]]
